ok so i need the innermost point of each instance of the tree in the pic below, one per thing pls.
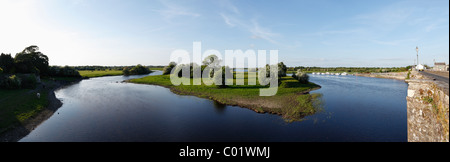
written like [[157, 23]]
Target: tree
[[211, 59], [168, 68], [126, 71], [282, 69], [137, 70], [30, 60], [301, 77], [220, 77], [6, 63]]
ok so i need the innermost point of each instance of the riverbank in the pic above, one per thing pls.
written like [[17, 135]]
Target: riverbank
[[292, 101], [99, 73], [391, 75], [23, 110]]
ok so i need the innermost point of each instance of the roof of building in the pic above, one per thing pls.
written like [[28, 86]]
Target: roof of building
[[439, 63]]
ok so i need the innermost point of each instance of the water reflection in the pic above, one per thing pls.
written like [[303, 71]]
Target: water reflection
[[219, 107], [346, 108]]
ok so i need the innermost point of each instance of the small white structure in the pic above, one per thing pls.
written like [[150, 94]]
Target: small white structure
[[38, 95], [344, 73], [420, 67]]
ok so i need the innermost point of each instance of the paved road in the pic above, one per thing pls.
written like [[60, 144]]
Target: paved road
[[440, 80], [437, 77]]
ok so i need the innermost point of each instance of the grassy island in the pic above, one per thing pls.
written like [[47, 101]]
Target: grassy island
[[292, 100]]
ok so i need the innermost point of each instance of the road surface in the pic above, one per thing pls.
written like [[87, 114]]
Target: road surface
[[437, 77], [442, 81]]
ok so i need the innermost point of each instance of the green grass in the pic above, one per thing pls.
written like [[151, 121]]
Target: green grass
[[290, 101], [160, 69], [96, 73], [16, 106]]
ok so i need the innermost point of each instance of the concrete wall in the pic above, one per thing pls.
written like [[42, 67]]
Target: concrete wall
[[427, 104]]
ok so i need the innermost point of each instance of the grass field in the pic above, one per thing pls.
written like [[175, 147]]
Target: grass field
[[96, 73], [291, 100], [160, 69], [16, 106]]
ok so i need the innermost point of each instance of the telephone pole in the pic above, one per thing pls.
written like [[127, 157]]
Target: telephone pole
[[417, 50]]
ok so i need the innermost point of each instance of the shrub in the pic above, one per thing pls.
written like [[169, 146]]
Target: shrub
[[28, 81], [126, 71], [137, 70], [168, 68], [1, 70], [301, 77], [219, 77], [11, 82], [65, 71], [264, 75], [281, 70]]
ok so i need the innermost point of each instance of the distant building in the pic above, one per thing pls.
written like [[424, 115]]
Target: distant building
[[420, 67], [440, 66]]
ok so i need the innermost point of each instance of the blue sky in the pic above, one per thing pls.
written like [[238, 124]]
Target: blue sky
[[327, 33]]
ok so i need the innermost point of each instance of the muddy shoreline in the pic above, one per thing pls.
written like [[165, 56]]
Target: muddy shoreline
[[19, 131]]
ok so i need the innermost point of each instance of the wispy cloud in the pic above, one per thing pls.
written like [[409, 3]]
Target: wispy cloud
[[229, 6], [262, 33], [337, 32], [173, 10], [252, 26], [232, 17], [228, 20], [394, 42]]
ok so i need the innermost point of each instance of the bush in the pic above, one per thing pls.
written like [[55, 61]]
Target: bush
[[126, 71], [137, 70], [282, 69], [1, 70], [301, 77], [168, 69], [220, 77], [28, 81], [65, 71], [11, 82]]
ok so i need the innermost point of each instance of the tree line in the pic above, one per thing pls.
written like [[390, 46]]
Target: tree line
[[213, 61], [351, 69], [25, 68]]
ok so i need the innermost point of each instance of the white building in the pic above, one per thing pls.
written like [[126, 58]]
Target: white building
[[420, 67], [440, 66]]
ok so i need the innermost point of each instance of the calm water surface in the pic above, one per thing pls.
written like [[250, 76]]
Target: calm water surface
[[104, 109]]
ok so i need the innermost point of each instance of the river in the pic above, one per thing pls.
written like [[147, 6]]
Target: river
[[105, 109]]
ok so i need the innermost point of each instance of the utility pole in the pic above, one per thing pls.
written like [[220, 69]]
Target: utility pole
[[417, 50]]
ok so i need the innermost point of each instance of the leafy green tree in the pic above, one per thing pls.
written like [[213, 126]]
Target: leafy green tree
[[30, 60], [137, 70], [302, 77], [6, 63], [126, 71], [168, 68], [11, 82], [282, 69], [211, 59], [219, 77]]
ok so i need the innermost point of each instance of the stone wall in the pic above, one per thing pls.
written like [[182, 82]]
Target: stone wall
[[427, 107]]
